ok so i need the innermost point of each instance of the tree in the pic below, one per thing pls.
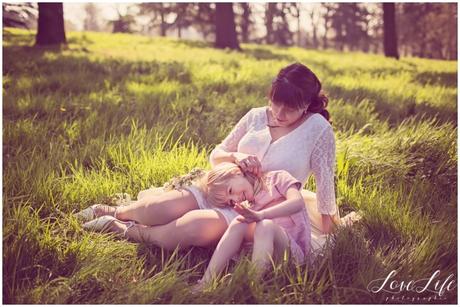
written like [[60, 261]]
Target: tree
[[327, 16], [283, 35], [349, 21], [182, 18], [427, 29], [245, 22], [277, 24], [315, 18], [270, 11], [125, 22], [19, 15], [162, 13], [91, 22], [225, 27], [294, 9], [390, 39], [50, 24]]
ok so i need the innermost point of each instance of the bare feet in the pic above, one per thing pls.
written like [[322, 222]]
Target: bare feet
[[198, 287], [351, 218]]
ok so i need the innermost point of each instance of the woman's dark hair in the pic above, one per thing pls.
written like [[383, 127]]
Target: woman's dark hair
[[296, 86]]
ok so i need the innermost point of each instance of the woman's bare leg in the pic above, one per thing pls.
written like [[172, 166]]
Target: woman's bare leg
[[313, 213], [194, 228], [158, 209], [150, 192]]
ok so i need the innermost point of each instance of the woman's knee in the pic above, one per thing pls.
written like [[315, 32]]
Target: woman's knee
[[203, 231], [150, 192]]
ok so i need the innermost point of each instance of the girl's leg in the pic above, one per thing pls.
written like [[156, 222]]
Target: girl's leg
[[158, 209], [269, 240], [194, 228], [228, 245]]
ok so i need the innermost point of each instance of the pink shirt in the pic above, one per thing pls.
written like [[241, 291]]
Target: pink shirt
[[297, 225], [308, 149]]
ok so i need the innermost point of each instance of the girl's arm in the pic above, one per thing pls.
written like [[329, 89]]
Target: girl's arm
[[293, 203]]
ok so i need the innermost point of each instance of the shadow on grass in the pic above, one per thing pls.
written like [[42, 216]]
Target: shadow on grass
[[158, 260], [265, 54], [192, 43], [18, 39], [395, 113], [447, 79], [101, 69], [392, 107]]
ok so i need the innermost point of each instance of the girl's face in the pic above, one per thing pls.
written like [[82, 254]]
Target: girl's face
[[239, 189], [285, 116]]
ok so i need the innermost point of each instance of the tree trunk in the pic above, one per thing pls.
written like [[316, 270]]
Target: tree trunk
[[163, 23], [225, 27], [245, 22], [269, 14], [314, 30], [50, 24], [326, 28], [390, 39], [299, 38]]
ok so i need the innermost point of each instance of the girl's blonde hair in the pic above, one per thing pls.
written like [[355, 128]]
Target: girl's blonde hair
[[214, 183]]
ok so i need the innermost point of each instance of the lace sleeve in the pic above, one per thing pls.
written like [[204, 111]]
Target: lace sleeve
[[323, 168], [230, 143]]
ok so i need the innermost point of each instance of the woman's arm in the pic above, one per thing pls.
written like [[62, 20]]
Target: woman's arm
[[227, 151], [323, 168], [220, 155], [223, 152], [328, 223]]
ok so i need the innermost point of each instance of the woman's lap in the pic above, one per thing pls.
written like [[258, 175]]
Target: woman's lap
[[195, 228]]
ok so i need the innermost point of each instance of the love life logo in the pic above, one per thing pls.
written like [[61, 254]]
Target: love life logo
[[426, 289]]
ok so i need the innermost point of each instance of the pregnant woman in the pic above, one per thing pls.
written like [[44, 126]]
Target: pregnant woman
[[292, 133]]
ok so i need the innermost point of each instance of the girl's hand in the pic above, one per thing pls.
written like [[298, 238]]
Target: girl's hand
[[248, 163], [248, 215]]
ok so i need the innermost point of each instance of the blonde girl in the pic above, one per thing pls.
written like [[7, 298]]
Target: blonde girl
[[272, 216]]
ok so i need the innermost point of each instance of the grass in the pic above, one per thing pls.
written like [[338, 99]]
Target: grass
[[119, 113]]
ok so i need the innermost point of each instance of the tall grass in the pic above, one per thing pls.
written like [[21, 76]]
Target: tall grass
[[120, 113]]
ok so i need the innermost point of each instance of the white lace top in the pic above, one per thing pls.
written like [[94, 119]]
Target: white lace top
[[309, 148]]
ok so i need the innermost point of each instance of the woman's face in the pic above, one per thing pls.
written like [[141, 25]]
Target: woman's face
[[285, 116], [239, 189]]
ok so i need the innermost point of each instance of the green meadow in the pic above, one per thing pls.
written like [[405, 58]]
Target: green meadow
[[118, 113]]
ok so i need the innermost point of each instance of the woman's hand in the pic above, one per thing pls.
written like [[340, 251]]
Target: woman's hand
[[248, 215], [248, 163]]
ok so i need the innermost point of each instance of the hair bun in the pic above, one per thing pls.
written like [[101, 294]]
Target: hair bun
[[319, 104]]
